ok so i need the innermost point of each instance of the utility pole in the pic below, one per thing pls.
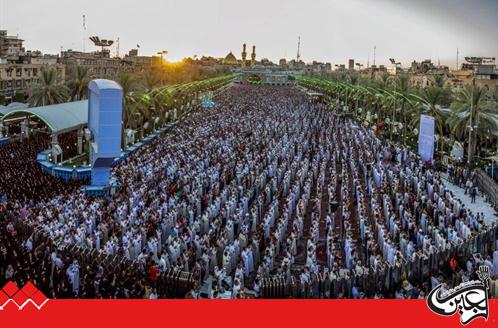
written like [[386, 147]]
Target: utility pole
[[102, 44], [394, 119], [298, 57], [84, 29], [471, 128], [163, 53], [375, 49], [457, 61], [117, 47]]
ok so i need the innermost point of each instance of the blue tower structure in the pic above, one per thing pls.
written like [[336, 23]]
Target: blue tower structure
[[105, 107]]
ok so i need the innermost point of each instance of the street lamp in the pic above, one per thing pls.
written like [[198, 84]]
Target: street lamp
[[162, 53], [103, 44], [470, 150]]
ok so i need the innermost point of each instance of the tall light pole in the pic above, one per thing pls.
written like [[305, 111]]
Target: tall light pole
[[471, 128], [162, 53], [394, 116], [103, 44]]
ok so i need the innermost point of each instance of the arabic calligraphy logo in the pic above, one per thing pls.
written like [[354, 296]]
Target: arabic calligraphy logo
[[470, 299]]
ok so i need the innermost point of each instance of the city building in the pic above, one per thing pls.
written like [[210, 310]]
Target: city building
[[351, 64], [480, 69], [422, 67], [230, 59], [10, 46], [266, 62], [317, 68], [17, 77], [20, 68], [473, 63], [99, 64], [296, 65], [460, 78], [265, 75], [135, 62]]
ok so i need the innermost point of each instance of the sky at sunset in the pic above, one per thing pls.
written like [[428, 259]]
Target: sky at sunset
[[331, 31]]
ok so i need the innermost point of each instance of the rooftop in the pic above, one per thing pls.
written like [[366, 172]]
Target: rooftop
[[59, 118]]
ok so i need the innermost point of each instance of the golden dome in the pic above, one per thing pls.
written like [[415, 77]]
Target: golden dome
[[230, 59]]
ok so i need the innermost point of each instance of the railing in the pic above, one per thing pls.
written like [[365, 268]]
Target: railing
[[488, 186], [172, 283], [385, 279]]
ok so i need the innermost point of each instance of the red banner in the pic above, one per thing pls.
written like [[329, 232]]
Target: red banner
[[234, 313]]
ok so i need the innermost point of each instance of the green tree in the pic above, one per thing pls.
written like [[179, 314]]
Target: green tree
[[79, 77], [402, 86], [151, 79], [473, 113], [384, 82], [19, 97], [47, 91], [429, 103], [161, 100], [438, 81], [129, 85]]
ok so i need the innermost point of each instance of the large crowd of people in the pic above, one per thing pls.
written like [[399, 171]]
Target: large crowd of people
[[21, 178], [266, 183]]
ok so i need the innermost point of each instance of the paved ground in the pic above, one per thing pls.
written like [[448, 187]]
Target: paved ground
[[480, 205]]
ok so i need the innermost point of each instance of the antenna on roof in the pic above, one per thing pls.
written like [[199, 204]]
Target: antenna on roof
[[298, 57], [84, 29], [117, 47], [457, 60], [375, 49]]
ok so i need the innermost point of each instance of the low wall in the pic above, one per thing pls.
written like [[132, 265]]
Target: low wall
[[85, 172]]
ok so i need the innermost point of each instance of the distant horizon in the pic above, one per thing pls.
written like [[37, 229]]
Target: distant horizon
[[331, 31]]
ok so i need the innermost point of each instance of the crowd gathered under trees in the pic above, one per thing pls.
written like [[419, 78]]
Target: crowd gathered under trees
[[394, 104]]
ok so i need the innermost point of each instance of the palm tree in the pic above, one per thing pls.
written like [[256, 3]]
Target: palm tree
[[438, 80], [429, 103], [384, 82], [143, 113], [472, 111], [151, 79], [162, 103], [403, 87], [48, 91], [389, 102], [78, 82], [354, 78], [494, 94], [129, 85]]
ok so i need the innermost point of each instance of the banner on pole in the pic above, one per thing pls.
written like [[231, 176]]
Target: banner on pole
[[426, 138]]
